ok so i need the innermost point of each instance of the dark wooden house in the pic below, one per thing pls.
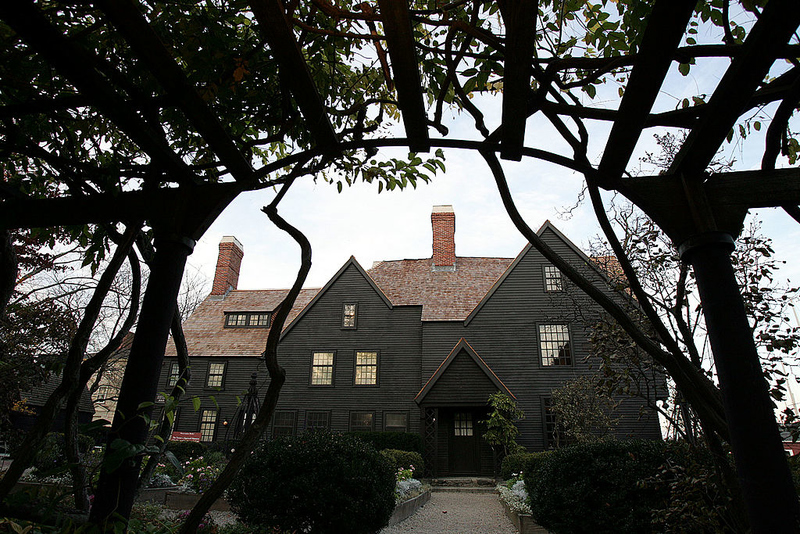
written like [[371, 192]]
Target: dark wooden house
[[405, 346]]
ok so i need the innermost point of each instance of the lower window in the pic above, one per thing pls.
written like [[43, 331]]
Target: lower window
[[462, 424], [362, 421], [283, 424], [318, 420], [395, 422], [208, 425]]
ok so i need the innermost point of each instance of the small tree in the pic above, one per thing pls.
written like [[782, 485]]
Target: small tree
[[501, 428], [584, 412]]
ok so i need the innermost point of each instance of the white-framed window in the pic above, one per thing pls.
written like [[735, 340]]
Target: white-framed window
[[366, 368], [552, 279], [322, 368], [395, 422], [362, 421], [208, 425], [350, 315], [247, 320], [216, 375], [174, 374], [554, 344], [462, 424]]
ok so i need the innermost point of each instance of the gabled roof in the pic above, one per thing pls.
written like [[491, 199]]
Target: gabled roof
[[461, 346], [443, 295], [546, 226], [352, 262], [205, 330]]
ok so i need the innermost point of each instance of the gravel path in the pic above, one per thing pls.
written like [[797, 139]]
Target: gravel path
[[457, 513]]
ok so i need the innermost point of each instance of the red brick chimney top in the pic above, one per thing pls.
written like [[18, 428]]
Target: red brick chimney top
[[226, 277], [443, 219]]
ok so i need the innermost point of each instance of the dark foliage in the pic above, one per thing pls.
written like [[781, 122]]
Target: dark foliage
[[319, 482], [51, 455], [405, 459], [404, 441], [521, 462], [627, 487]]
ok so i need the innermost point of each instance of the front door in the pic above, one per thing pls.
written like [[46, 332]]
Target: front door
[[464, 443]]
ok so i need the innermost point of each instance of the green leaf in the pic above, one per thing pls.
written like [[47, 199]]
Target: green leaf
[[683, 68], [196, 403]]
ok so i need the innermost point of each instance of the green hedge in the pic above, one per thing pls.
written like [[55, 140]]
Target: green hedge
[[186, 450], [405, 459], [627, 487], [51, 454], [521, 462], [403, 441], [319, 482]]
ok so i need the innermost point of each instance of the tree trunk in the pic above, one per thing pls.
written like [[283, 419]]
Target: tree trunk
[[117, 489]]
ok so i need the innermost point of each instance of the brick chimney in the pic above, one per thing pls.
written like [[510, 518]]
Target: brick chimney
[[226, 277], [443, 219]]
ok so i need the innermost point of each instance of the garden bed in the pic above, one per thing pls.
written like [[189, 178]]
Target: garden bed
[[523, 522], [186, 501], [406, 509]]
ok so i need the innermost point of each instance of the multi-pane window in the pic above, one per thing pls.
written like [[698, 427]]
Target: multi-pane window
[[174, 374], [366, 368], [396, 422], [553, 431], [554, 344], [552, 279], [462, 424], [322, 369], [247, 319], [349, 315], [208, 425], [361, 421], [318, 420], [283, 424], [216, 373]]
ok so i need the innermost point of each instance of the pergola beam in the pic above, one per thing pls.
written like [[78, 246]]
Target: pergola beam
[[405, 71], [277, 30], [774, 28], [665, 29]]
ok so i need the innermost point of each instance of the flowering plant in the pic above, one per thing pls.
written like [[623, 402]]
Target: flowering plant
[[199, 475], [206, 526], [405, 473]]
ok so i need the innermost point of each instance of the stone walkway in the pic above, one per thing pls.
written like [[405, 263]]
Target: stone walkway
[[457, 513]]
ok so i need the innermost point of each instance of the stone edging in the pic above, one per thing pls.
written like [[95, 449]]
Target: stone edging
[[524, 523], [406, 509]]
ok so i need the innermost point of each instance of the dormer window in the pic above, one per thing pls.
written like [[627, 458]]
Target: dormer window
[[247, 320], [552, 279], [349, 315]]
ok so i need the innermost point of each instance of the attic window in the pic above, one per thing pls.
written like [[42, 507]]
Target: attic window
[[349, 315], [247, 320], [552, 279]]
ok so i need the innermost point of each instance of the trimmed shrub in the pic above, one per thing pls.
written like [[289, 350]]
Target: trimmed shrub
[[602, 480], [405, 459], [515, 463], [186, 450], [403, 441], [319, 482]]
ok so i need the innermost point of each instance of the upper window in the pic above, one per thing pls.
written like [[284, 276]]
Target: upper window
[[208, 425], [174, 374], [216, 374], [350, 315], [552, 279], [554, 344], [322, 369], [362, 421], [366, 368], [396, 422], [247, 320], [283, 423]]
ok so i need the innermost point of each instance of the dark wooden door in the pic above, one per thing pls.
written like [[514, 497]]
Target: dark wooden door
[[464, 443]]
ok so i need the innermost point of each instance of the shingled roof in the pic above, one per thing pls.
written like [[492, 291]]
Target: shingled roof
[[205, 330], [443, 295]]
